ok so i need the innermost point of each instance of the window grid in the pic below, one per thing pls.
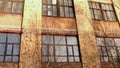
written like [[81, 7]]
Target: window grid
[[102, 11], [109, 49], [9, 51], [60, 8], [56, 56], [11, 6]]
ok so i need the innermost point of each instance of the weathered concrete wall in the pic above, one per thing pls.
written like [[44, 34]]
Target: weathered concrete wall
[[57, 25], [30, 55], [88, 47], [61, 65], [103, 1], [9, 65], [10, 21], [106, 29]]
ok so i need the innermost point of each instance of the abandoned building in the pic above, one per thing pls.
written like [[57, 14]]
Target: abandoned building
[[59, 33]]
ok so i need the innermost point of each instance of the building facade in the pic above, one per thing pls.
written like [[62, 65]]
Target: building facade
[[59, 34]]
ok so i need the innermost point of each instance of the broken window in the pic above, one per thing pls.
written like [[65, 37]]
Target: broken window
[[60, 48], [62, 8], [100, 11], [9, 47]]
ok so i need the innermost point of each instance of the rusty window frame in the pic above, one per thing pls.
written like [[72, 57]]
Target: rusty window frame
[[55, 56], [58, 5], [104, 13], [12, 54]]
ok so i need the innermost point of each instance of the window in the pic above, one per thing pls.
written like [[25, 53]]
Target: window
[[61, 8], [60, 49], [109, 49], [100, 11], [9, 47], [14, 7], [11, 6]]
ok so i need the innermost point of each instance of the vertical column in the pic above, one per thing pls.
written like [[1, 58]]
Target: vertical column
[[88, 47], [30, 52], [116, 4]]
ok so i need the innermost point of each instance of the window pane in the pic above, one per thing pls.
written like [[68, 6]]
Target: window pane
[[117, 42], [14, 7], [45, 59], [15, 58], [70, 2], [54, 11], [70, 50], [51, 50], [66, 2], [60, 50], [61, 11], [60, 40], [71, 59], [66, 12], [111, 51], [108, 13], [61, 59], [20, 7], [100, 41], [76, 50], [61, 2], [9, 6], [16, 49], [109, 42], [44, 10], [106, 59], [2, 49], [92, 14], [94, 5], [9, 49], [47, 39], [110, 7], [104, 51], [113, 16], [71, 40], [44, 50], [8, 58], [50, 10], [13, 38], [51, 59], [71, 12], [54, 1], [1, 58], [2, 37], [77, 59], [1, 5], [44, 1], [49, 1]]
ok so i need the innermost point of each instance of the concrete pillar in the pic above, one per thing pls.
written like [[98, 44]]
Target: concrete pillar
[[116, 4], [30, 52], [88, 47]]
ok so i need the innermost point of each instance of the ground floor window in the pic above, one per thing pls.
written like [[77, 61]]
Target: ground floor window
[[56, 48], [9, 47]]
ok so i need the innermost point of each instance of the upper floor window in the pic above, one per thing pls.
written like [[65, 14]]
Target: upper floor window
[[11, 6], [109, 49], [101, 11], [9, 47], [61, 8], [60, 48]]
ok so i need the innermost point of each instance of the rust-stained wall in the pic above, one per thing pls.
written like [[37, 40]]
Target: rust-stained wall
[[10, 21], [9, 65], [57, 25]]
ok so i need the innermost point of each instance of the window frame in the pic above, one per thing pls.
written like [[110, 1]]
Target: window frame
[[106, 46], [5, 7], [12, 51], [58, 9], [67, 51], [114, 19]]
